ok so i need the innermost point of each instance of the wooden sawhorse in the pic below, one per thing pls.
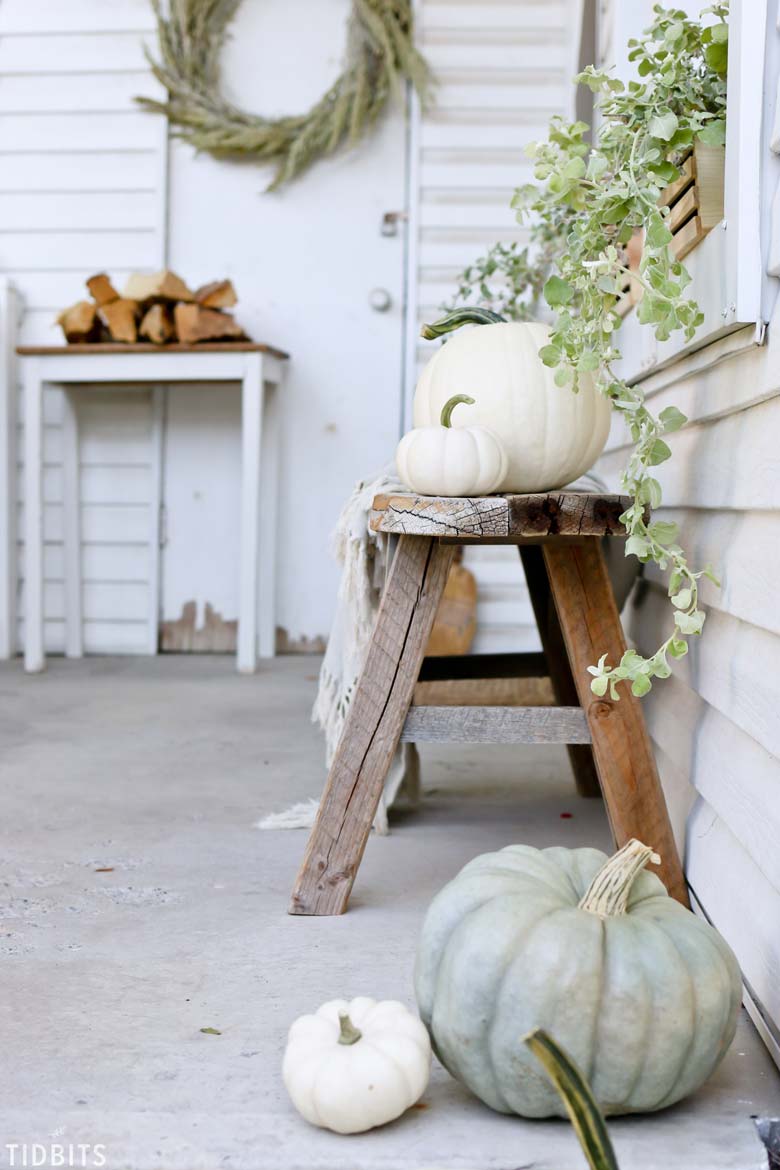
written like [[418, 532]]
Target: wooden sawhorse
[[559, 535]]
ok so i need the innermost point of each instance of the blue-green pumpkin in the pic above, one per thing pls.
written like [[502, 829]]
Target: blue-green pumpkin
[[641, 993]]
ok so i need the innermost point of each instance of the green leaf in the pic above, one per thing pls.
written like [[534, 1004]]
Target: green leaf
[[659, 453], [599, 685], [682, 600], [637, 546], [672, 419], [550, 355], [558, 292], [657, 233], [589, 361], [717, 56], [211, 1032], [664, 531], [641, 685], [678, 648], [564, 376], [689, 623], [663, 125], [714, 133], [649, 492]]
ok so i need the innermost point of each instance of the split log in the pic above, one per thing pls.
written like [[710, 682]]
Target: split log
[[120, 317], [194, 324], [218, 294], [102, 290], [80, 322], [157, 324], [156, 286]]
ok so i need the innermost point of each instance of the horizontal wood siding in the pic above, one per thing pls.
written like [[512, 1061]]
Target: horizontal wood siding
[[502, 71], [714, 723], [82, 189]]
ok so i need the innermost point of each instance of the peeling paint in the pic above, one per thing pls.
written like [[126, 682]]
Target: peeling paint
[[301, 645], [214, 635]]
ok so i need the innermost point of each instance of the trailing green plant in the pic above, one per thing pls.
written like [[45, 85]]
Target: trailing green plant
[[599, 196]]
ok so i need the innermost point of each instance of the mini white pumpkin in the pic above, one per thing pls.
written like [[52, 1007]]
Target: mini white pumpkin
[[352, 1066], [451, 461], [550, 434]]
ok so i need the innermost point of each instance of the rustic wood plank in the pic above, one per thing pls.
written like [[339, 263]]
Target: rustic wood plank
[[533, 516], [683, 209], [143, 347], [373, 728], [580, 756], [413, 515], [496, 725], [687, 176], [621, 743], [484, 692], [686, 239]]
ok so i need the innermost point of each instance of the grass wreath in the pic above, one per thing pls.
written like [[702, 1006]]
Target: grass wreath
[[380, 55]]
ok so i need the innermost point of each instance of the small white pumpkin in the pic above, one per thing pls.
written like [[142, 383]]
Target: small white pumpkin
[[451, 461], [550, 434], [353, 1066]]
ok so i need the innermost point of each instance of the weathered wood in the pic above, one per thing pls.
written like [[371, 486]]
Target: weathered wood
[[557, 662], [456, 618], [120, 319], [621, 744], [687, 176], [157, 324], [686, 239], [496, 725], [142, 347], [580, 757], [156, 286], [101, 289], [79, 322], [217, 294], [195, 324], [373, 727], [478, 666], [560, 513], [484, 692]]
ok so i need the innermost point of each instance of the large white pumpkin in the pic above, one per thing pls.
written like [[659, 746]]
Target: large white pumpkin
[[550, 435]]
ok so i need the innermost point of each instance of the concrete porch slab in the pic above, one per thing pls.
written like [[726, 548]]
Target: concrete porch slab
[[139, 905]]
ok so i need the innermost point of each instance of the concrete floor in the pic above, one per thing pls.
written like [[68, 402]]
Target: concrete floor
[[141, 905]]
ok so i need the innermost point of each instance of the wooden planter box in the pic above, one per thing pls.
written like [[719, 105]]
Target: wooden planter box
[[695, 203]]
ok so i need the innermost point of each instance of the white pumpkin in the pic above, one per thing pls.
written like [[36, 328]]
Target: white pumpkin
[[447, 461], [550, 434], [352, 1066]]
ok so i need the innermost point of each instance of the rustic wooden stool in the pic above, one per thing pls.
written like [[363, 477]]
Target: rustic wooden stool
[[559, 538]]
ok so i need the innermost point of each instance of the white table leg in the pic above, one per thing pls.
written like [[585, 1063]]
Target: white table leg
[[34, 659], [72, 527], [269, 477], [252, 393]]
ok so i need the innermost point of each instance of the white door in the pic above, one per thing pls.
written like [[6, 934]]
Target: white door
[[304, 262]]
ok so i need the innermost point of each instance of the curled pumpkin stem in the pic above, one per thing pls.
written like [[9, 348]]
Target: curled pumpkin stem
[[577, 1096], [454, 320], [450, 404], [608, 893]]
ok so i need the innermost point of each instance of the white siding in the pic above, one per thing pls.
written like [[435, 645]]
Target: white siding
[[82, 189], [503, 70]]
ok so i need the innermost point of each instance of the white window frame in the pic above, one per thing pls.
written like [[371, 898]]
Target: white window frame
[[726, 266]]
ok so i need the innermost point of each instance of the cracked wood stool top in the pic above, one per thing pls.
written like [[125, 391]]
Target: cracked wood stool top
[[559, 535], [510, 518]]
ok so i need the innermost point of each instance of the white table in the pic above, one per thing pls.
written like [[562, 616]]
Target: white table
[[259, 370]]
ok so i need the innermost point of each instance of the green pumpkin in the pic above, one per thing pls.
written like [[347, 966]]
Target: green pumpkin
[[641, 993]]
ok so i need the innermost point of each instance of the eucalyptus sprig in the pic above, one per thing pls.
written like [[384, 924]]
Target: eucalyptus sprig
[[599, 196]]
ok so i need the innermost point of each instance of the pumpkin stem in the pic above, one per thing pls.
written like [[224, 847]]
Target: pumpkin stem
[[460, 317], [607, 895], [348, 1033], [577, 1096], [449, 406]]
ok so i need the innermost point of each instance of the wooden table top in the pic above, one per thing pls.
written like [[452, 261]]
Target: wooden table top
[[147, 347], [543, 514]]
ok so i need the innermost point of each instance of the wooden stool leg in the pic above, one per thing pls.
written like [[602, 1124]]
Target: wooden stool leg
[[621, 743], [586, 777], [373, 727]]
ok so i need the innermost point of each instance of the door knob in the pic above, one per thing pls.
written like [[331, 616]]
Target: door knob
[[380, 300]]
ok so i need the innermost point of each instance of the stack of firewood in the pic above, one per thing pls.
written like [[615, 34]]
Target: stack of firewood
[[157, 308]]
